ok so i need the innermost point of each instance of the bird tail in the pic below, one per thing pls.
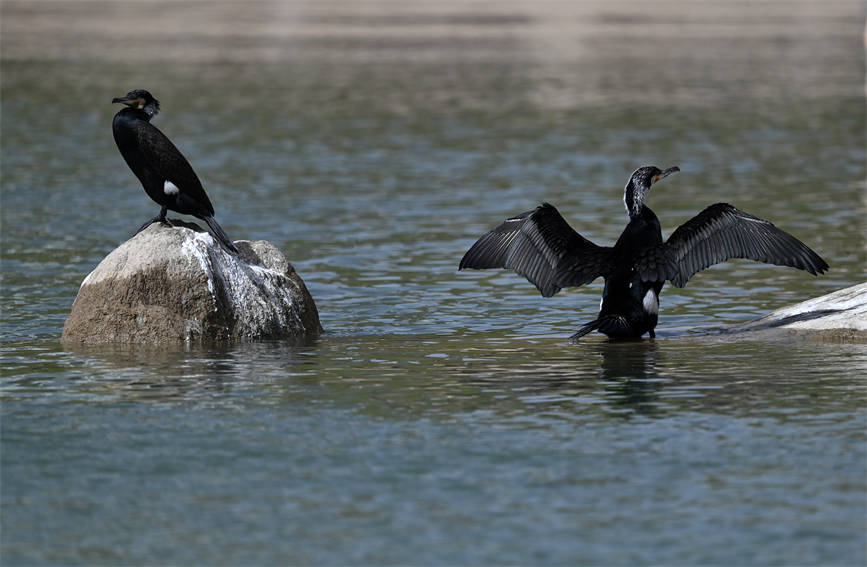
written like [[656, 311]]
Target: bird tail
[[221, 235], [585, 328], [616, 326]]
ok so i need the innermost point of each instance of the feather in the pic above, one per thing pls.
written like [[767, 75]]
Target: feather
[[163, 158], [541, 246], [721, 232]]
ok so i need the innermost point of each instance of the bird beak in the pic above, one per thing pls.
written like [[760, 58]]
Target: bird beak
[[129, 101], [664, 174]]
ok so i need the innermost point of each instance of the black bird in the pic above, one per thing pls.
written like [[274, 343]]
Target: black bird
[[541, 246], [164, 172]]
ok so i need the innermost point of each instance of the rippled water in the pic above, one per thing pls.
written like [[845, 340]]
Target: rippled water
[[442, 418]]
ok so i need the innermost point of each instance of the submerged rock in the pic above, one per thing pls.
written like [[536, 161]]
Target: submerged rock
[[841, 315], [176, 284]]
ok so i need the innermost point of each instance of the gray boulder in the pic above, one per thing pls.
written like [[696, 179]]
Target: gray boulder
[[176, 284], [841, 315]]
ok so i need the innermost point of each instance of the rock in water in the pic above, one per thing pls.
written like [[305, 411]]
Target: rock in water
[[176, 284], [838, 316]]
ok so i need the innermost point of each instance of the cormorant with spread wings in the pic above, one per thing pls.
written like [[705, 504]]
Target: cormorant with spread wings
[[541, 246]]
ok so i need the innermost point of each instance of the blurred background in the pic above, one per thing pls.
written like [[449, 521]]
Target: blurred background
[[373, 142]]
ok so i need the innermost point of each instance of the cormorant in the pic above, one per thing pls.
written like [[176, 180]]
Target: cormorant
[[541, 246], [164, 172]]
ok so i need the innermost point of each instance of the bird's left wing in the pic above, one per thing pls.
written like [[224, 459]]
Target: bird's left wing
[[168, 161], [541, 246], [721, 232]]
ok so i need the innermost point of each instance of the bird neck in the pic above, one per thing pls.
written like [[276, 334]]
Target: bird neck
[[136, 114], [634, 197]]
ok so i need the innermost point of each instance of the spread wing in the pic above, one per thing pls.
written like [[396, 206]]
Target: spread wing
[[541, 246], [168, 162], [721, 232]]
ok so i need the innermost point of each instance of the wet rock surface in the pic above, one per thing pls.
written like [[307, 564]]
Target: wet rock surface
[[172, 284], [841, 315]]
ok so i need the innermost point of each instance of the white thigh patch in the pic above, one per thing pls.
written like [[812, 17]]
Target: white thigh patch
[[651, 302], [170, 188]]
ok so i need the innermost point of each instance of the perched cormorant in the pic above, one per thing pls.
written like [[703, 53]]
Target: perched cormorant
[[541, 246], [164, 172]]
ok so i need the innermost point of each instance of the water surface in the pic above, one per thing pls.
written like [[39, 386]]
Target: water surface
[[442, 418]]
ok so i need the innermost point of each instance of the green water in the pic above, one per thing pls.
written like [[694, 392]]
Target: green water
[[442, 418]]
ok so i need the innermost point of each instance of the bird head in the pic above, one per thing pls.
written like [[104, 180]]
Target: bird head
[[140, 99], [639, 186]]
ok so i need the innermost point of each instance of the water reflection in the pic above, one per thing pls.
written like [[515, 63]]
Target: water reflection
[[630, 370], [470, 378]]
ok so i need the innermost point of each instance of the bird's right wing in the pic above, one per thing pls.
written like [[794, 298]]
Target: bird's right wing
[[541, 246], [720, 232]]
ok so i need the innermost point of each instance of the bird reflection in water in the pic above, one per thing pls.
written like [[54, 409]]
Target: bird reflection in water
[[629, 374]]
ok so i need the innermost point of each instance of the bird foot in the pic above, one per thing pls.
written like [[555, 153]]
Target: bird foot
[[157, 218]]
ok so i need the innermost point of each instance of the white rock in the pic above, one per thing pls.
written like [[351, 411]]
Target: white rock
[[176, 284], [841, 314]]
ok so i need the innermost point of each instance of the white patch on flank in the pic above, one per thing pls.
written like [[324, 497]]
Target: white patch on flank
[[650, 302], [170, 188]]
